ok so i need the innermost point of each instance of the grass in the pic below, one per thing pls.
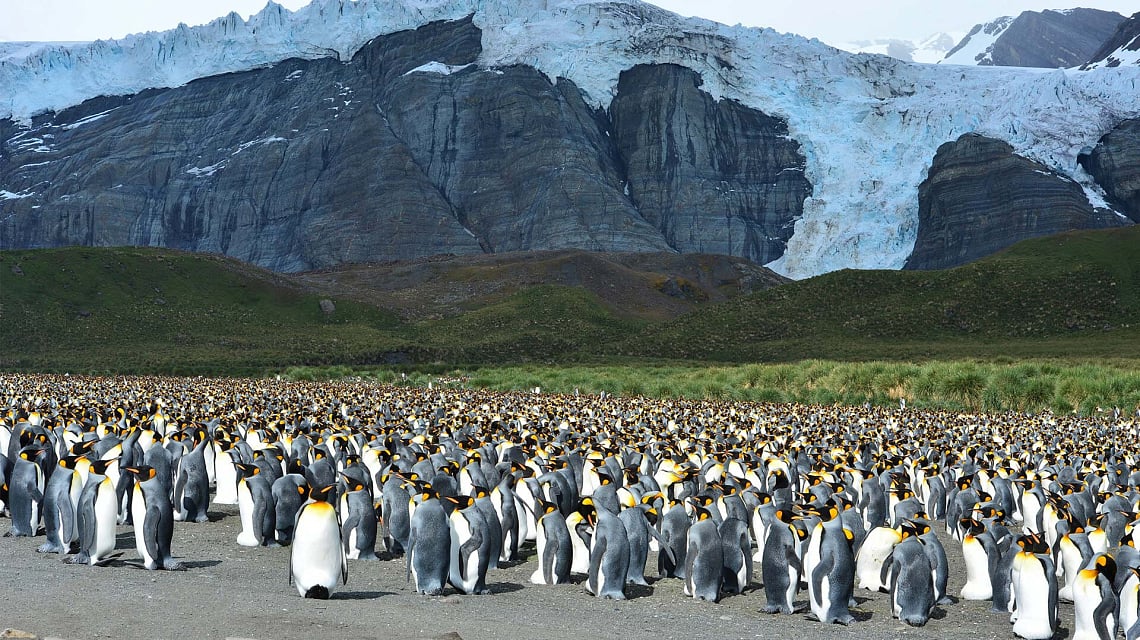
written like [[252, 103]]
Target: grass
[[1031, 386], [1000, 333]]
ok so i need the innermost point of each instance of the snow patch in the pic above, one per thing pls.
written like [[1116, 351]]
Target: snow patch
[[8, 195], [438, 67], [207, 171], [88, 119], [245, 145]]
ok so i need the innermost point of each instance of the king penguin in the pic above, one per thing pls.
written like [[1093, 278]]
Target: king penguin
[[255, 506], [780, 565], [428, 556], [97, 516], [317, 563], [470, 547], [359, 529], [912, 580], [1034, 584], [26, 492], [59, 513], [1094, 601], [153, 520], [555, 552], [829, 566], [609, 554], [704, 557]]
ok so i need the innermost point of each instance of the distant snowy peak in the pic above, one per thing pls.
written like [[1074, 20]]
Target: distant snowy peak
[[978, 45], [1123, 48], [928, 50], [1042, 39]]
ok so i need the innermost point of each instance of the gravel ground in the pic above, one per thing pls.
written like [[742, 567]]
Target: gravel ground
[[232, 591]]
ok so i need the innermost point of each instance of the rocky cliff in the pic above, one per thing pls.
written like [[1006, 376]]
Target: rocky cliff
[[406, 151], [1123, 47], [1115, 164], [980, 197], [1047, 39]]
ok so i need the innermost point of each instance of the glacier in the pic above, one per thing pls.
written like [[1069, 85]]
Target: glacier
[[869, 125]]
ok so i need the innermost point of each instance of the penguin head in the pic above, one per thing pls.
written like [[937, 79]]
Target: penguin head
[[546, 506], [701, 513], [99, 467], [1105, 565], [142, 472], [320, 494], [588, 511], [352, 484], [247, 470], [461, 502]]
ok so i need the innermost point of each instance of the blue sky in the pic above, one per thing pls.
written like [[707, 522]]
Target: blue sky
[[829, 20]]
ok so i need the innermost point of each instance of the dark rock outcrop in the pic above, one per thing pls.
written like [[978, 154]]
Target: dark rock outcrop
[[714, 177], [1115, 164], [1126, 38], [1045, 39], [980, 197], [406, 151]]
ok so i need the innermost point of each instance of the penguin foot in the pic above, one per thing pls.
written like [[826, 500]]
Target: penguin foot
[[202, 518], [846, 620], [915, 621], [49, 548], [774, 609], [318, 592], [79, 558], [173, 565]]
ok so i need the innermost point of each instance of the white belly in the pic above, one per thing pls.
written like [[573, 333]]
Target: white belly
[[247, 537], [316, 554], [138, 515], [226, 480], [106, 516]]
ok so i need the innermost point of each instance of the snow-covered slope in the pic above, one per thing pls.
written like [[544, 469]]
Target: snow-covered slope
[[869, 125], [977, 46]]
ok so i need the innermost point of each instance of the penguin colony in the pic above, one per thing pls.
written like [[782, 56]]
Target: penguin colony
[[815, 502]]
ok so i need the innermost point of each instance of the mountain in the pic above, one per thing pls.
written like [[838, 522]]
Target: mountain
[[377, 130], [1122, 48], [928, 50], [1046, 39]]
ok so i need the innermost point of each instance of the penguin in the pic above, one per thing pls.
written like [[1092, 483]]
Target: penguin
[[428, 555], [225, 474], [674, 532], [555, 552], [704, 557], [359, 527], [978, 548], [59, 512], [780, 566], [912, 581], [506, 510], [737, 550], [26, 492], [829, 565], [192, 486], [1095, 601], [580, 534], [96, 516], [317, 563], [877, 547], [255, 506], [1034, 584], [470, 548], [1128, 604], [395, 513], [939, 565], [289, 494], [609, 553], [153, 520], [762, 515], [637, 531], [492, 522]]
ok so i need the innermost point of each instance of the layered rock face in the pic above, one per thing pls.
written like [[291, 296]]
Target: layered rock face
[[980, 197], [1045, 39], [1115, 164], [714, 177], [406, 151], [1123, 47]]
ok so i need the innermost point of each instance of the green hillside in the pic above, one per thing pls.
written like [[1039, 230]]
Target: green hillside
[[1074, 296], [1071, 295]]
